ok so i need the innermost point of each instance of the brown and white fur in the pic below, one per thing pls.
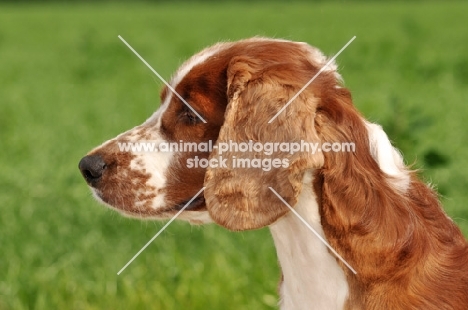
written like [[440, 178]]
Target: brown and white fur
[[375, 213]]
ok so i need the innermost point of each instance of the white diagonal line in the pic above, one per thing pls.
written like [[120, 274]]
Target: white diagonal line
[[314, 231], [160, 231], [311, 80], [162, 79]]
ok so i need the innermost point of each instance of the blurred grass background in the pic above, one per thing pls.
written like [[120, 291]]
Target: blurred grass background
[[67, 84]]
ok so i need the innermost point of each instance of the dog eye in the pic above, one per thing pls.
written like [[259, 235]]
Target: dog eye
[[189, 117]]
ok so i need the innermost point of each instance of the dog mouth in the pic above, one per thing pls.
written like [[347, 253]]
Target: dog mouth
[[195, 205]]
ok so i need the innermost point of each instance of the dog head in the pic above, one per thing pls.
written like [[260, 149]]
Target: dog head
[[222, 108]]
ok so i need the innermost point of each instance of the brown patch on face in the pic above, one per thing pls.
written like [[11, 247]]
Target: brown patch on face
[[204, 88]]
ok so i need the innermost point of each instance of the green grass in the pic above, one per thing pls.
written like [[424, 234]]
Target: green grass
[[67, 83]]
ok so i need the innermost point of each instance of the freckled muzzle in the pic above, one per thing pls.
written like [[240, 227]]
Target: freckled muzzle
[[116, 184]]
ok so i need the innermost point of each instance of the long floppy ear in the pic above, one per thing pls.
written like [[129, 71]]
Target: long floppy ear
[[370, 176], [238, 197], [364, 195]]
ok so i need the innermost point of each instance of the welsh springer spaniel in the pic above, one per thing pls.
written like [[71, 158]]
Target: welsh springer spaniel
[[388, 225]]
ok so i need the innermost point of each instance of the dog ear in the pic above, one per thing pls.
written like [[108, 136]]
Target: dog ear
[[238, 196], [360, 191]]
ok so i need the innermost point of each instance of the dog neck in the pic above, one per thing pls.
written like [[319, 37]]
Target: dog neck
[[312, 278]]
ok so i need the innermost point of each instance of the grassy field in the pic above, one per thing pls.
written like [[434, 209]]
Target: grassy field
[[67, 83]]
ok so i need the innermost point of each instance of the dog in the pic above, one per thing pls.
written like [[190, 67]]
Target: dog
[[218, 114]]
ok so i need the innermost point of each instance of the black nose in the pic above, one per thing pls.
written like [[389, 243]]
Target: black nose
[[92, 167]]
